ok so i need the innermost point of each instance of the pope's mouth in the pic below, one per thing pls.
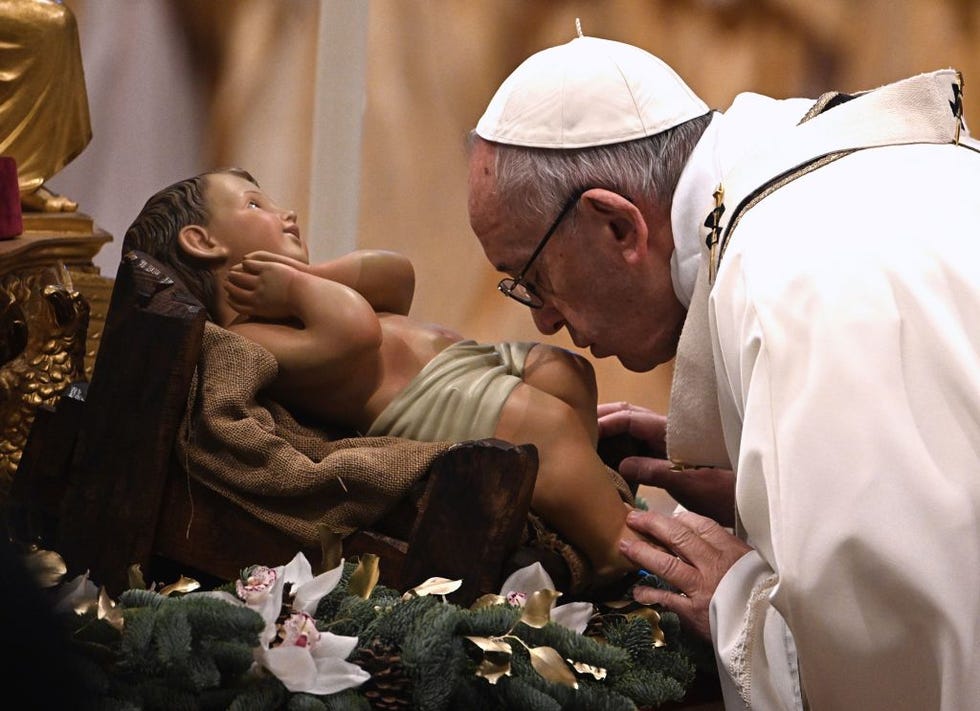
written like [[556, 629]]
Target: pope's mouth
[[599, 352]]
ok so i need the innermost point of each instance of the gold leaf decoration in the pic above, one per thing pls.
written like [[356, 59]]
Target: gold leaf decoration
[[653, 617], [549, 664], [490, 644], [496, 657], [537, 609], [331, 548], [184, 585], [618, 604], [85, 606], [488, 600], [108, 611], [47, 567], [492, 671], [364, 577], [437, 586], [134, 577], [597, 673]]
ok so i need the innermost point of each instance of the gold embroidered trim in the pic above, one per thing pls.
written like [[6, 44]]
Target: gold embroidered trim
[[764, 192]]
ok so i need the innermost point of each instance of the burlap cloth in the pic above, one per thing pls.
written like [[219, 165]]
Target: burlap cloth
[[293, 476]]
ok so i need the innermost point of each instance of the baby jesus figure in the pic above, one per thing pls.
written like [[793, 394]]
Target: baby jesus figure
[[350, 355]]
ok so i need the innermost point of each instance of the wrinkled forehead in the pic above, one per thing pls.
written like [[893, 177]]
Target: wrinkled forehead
[[505, 234], [506, 239], [482, 181]]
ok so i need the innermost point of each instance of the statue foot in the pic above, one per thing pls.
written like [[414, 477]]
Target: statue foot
[[43, 200]]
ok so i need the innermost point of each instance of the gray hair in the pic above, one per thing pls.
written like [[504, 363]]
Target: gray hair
[[536, 182]]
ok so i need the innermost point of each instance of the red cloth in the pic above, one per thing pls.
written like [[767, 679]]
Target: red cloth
[[11, 221]]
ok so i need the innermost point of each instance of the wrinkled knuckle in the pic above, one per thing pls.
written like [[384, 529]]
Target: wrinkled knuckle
[[671, 567], [681, 537], [692, 519]]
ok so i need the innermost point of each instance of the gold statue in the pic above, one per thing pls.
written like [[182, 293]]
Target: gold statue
[[44, 118], [43, 324]]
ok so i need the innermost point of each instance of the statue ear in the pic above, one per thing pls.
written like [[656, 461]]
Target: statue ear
[[196, 241]]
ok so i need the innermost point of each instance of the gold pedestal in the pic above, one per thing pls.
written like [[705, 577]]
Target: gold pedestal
[[53, 304]]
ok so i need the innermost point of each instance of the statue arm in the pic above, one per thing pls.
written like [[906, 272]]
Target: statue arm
[[385, 279], [306, 321]]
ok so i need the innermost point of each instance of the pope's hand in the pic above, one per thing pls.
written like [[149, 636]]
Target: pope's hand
[[705, 490], [698, 554], [647, 426]]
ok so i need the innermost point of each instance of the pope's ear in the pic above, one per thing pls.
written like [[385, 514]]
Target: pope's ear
[[197, 242], [620, 219]]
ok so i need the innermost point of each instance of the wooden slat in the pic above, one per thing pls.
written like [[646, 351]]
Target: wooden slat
[[38, 487], [133, 408], [473, 513]]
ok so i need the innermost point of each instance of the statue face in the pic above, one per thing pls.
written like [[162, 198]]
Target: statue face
[[244, 219]]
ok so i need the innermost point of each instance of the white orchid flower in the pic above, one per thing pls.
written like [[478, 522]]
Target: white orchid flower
[[311, 661], [261, 590], [77, 595], [304, 659], [525, 581], [305, 589]]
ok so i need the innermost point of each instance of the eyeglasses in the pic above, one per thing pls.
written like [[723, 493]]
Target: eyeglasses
[[518, 289]]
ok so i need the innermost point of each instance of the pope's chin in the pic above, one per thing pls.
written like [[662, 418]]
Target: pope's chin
[[641, 362]]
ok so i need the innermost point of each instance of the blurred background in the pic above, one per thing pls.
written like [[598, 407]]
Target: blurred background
[[355, 112]]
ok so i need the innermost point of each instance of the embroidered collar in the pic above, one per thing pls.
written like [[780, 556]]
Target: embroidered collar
[[750, 120]]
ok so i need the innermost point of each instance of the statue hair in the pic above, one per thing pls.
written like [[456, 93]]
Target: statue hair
[[536, 182], [165, 214]]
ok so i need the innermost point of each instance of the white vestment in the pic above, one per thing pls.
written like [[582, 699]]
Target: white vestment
[[845, 330]]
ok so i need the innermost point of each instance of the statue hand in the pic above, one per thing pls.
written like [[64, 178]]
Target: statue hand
[[257, 287], [263, 256]]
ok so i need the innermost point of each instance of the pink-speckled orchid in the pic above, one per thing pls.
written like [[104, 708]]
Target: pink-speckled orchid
[[302, 657]]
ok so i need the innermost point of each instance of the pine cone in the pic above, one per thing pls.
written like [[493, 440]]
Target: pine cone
[[389, 688]]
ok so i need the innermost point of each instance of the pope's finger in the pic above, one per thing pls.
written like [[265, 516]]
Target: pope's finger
[[663, 564], [706, 528], [725, 548], [650, 471], [606, 408], [674, 533], [642, 424], [612, 425]]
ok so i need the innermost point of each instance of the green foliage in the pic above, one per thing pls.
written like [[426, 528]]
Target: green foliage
[[434, 655], [305, 702], [349, 700], [267, 694], [196, 652]]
